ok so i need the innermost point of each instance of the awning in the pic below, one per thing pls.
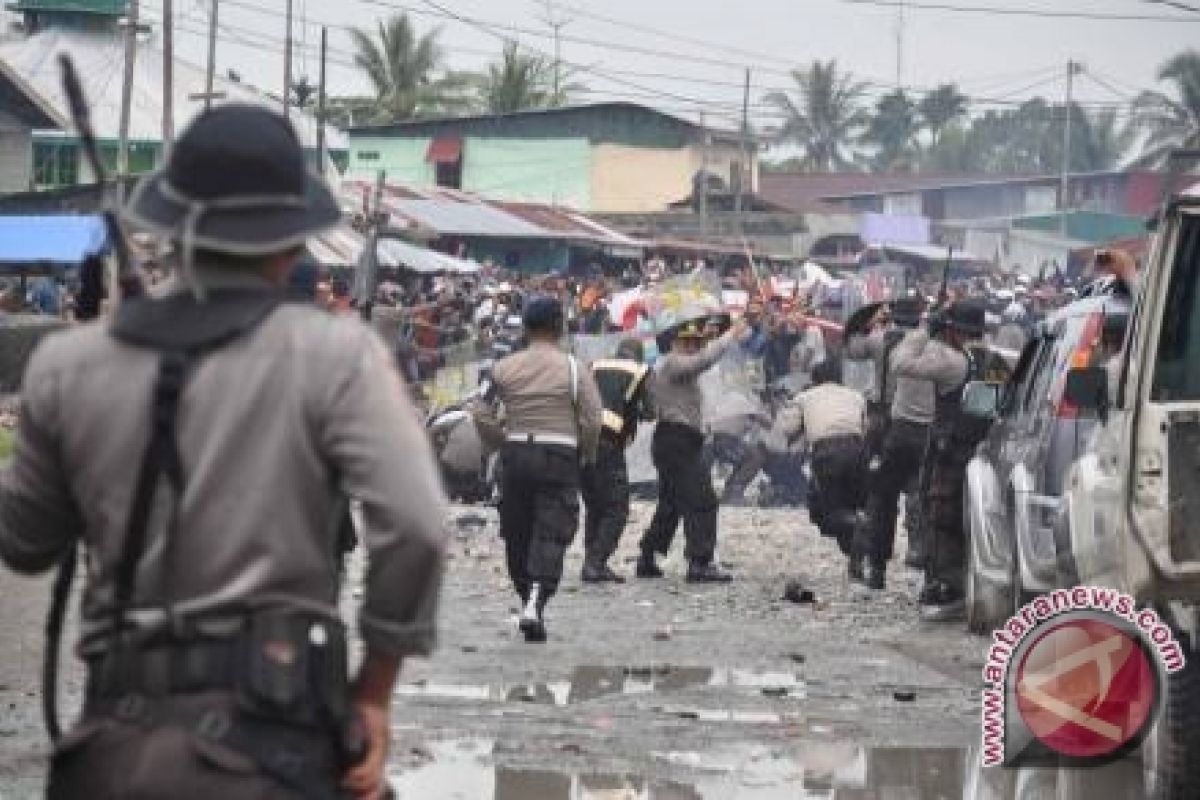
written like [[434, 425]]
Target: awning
[[400, 254], [56, 239], [445, 150]]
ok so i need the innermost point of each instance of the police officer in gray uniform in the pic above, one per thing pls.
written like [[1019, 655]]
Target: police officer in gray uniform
[[685, 489], [949, 360], [551, 426], [201, 446], [625, 389]]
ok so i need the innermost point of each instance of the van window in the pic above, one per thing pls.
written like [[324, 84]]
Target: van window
[[1177, 373]]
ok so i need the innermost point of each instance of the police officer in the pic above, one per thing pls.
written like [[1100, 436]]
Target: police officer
[[551, 429], [685, 487], [215, 655], [833, 418], [898, 463], [624, 384], [950, 359]]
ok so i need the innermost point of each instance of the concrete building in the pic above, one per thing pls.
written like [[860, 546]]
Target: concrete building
[[34, 33], [606, 158], [22, 111]]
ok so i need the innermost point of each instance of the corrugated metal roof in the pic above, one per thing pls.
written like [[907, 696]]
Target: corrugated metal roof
[[98, 58], [453, 213]]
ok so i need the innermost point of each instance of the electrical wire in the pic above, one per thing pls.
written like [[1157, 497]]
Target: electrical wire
[[1020, 12]]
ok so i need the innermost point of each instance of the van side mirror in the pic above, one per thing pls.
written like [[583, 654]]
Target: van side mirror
[[981, 399], [1087, 389]]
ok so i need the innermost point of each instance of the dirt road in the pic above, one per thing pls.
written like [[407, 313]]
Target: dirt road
[[650, 691]]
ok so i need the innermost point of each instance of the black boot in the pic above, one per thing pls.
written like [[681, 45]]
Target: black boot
[[596, 571], [531, 622], [940, 602], [707, 572], [854, 569], [877, 576], [646, 567]]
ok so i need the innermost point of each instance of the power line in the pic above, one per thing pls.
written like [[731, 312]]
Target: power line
[[1022, 12], [1175, 4]]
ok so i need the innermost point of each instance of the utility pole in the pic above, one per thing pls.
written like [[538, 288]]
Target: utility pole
[[168, 101], [321, 103], [556, 23], [900, 45], [744, 172], [1073, 69], [702, 184], [287, 64], [131, 32], [212, 55]]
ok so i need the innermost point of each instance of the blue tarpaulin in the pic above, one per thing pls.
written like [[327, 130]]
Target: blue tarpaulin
[[56, 240]]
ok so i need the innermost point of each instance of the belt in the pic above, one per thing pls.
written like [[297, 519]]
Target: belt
[[543, 438], [842, 440], [169, 669]]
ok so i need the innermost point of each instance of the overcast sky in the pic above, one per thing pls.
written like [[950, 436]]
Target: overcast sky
[[993, 57]]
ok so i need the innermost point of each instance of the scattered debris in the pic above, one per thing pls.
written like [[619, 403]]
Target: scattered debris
[[795, 592], [904, 696]]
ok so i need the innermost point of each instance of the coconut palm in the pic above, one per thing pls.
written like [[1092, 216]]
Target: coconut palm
[[939, 108], [1171, 122], [404, 69], [517, 82], [824, 117], [892, 132], [1104, 141]]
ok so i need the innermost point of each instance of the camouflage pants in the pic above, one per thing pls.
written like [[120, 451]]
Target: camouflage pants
[[606, 499], [945, 538], [539, 512]]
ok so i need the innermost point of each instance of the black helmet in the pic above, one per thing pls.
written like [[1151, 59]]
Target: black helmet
[[632, 349], [543, 314], [967, 317], [828, 371]]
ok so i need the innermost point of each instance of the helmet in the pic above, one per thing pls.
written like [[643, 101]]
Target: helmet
[[968, 317], [543, 314], [631, 349]]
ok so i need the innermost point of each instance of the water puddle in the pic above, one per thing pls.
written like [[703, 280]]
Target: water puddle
[[593, 682], [468, 769]]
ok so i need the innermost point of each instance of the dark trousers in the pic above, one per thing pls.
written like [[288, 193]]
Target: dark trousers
[[606, 500], [838, 489], [946, 541], [747, 459], [685, 491], [903, 451], [107, 759], [539, 512]]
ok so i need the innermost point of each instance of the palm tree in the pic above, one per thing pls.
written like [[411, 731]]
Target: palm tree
[[1104, 141], [1171, 122], [517, 82], [893, 132], [824, 118], [939, 108], [404, 71]]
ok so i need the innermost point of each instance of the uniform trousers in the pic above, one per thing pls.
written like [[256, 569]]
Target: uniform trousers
[[838, 490], [606, 500], [539, 512], [685, 492]]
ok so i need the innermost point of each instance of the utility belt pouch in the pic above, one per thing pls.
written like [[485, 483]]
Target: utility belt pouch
[[293, 668]]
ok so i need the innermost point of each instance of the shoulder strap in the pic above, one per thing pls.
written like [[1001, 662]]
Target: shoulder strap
[[184, 331]]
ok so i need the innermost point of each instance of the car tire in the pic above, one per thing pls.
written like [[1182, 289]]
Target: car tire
[[987, 603], [1171, 752], [1119, 779]]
